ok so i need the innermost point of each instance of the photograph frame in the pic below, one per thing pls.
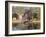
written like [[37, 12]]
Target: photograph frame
[[6, 18]]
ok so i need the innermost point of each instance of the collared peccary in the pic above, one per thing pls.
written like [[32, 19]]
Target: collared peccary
[[15, 15], [27, 19]]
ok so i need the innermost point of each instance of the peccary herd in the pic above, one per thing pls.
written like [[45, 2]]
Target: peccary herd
[[26, 22]]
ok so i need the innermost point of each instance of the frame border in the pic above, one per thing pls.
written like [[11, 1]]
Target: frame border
[[6, 18]]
